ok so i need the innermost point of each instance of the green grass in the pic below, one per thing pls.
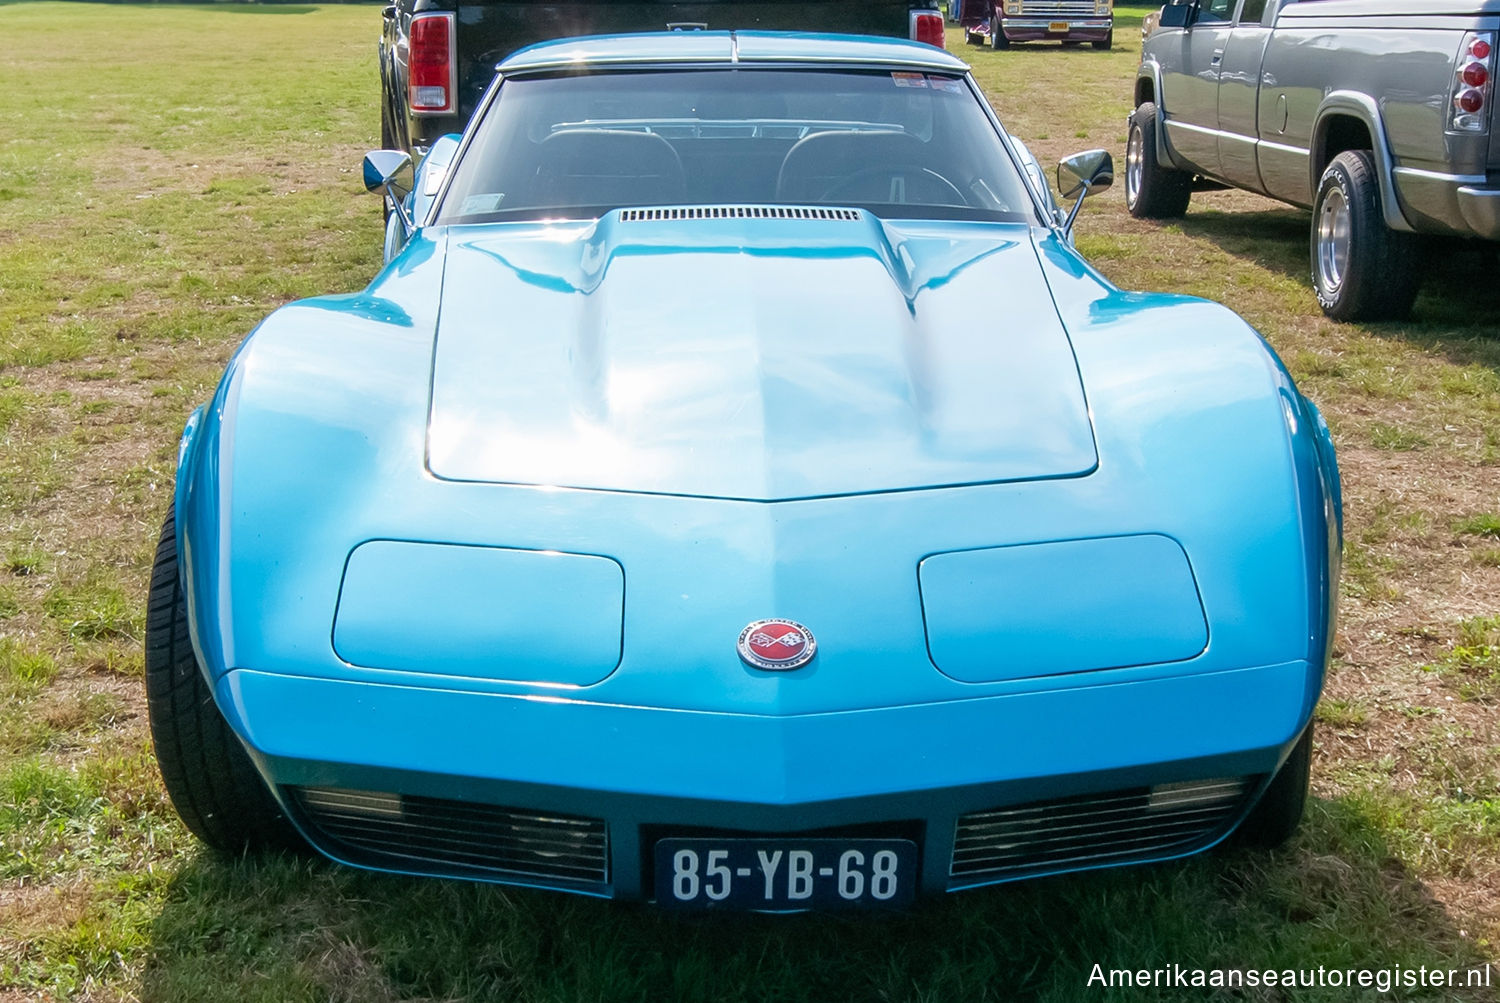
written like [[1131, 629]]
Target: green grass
[[1474, 658], [170, 174], [1483, 524]]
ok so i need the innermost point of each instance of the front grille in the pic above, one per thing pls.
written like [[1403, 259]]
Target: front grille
[[459, 838], [735, 212], [1057, 8], [1138, 824]]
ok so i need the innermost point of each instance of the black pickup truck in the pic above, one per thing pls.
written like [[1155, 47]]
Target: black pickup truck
[[438, 56]]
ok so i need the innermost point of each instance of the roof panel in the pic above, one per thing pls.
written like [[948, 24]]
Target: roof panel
[[699, 47]]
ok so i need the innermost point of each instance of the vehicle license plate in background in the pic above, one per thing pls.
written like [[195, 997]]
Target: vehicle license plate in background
[[779, 873], [1058, 26]]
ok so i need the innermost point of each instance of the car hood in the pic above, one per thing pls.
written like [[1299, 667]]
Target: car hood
[[752, 358]]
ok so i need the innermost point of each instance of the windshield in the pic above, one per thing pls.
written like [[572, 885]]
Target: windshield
[[900, 144]]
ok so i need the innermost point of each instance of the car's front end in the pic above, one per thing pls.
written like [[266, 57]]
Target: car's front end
[[1053, 562]]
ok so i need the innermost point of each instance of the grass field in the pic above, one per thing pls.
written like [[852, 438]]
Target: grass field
[[170, 174]]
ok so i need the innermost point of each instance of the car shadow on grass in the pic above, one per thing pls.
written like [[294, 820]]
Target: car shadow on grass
[[295, 928], [1457, 312]]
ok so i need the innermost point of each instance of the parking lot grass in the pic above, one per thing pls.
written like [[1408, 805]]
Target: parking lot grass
[[170, 174]]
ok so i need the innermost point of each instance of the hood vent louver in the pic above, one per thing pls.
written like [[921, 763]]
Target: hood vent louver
[[686, 212]]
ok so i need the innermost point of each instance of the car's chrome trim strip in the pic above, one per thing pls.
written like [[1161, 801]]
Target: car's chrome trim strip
[[1441, 176]]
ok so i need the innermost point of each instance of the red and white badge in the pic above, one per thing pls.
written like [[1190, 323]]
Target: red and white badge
[[777, 645]]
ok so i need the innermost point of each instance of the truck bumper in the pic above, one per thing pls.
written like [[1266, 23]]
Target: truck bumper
[[1038, 29], [1457, 205], [1481, 210]]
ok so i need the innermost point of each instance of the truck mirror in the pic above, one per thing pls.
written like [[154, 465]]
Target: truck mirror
[[1178, 15]]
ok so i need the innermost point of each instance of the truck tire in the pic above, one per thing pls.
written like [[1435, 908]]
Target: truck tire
[[208, 775], [1106, 43], [997, 35], [1151, 190], [1275, 816], [1361, 269]]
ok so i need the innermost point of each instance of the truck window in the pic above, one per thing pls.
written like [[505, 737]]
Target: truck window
[[1216, 10], [1252, 12]]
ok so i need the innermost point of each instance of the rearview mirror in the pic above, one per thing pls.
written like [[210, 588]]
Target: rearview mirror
[[1090, 171], [1177, 15]]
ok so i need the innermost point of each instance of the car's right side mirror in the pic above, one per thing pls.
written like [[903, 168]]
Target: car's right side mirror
[[1178, 15], [1091, 171]]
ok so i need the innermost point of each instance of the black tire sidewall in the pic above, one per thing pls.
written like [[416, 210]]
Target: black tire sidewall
[[1164, 192], [1275, 817], [209, 776], [1383, 270]]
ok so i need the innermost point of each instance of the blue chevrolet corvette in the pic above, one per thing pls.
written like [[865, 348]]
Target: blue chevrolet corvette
[[736, 492]]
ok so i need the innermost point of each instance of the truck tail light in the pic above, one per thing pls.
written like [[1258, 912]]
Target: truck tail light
[[433, 65], [927, 26], [1473, 82]]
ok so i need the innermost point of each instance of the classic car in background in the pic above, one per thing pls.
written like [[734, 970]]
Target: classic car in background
[[997, 23], [1379, 117], [737, 492]]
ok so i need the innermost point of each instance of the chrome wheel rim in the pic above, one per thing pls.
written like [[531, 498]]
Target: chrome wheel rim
[[1133, 165], [1333, 239]]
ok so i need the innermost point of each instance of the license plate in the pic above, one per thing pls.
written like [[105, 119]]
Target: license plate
[[784, 874], [1058, 26]]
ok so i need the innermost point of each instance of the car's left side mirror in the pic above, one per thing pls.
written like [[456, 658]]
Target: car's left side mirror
[[1082, 174], [389, 173]]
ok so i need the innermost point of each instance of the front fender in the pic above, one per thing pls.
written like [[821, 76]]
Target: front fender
[[292, 387], [1194, 396], [1150, 70]]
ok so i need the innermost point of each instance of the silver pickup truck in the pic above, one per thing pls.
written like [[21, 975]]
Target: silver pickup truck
[[1378, 115]]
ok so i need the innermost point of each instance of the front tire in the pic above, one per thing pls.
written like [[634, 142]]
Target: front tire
[[1276, 815], [207, 773], [1361, 269], [1151, 190], [997, 36], [1106, 43]]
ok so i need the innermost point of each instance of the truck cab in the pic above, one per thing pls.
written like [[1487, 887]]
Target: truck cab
[[1378, 117]]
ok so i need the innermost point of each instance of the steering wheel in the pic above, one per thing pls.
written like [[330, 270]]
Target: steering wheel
[[898, 184]]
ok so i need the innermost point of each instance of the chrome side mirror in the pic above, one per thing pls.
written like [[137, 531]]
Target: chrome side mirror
[[389, 173], [1090, 171]]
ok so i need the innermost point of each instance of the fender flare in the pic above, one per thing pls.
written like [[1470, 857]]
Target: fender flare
[[1364, 108], [1151, 69]]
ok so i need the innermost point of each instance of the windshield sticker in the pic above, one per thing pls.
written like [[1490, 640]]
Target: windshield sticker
[[909, 79], [488, 202], [948, 84]]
